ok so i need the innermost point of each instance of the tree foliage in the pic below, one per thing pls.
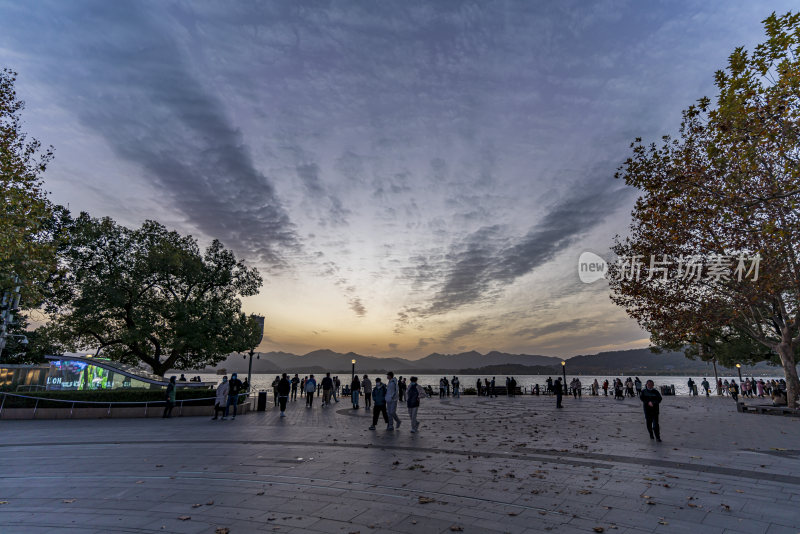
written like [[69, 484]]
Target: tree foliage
[[149, 295], [727, 186], [27, 219]]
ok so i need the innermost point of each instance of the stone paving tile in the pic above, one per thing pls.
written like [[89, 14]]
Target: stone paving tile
[[781, 529], [590, 457]]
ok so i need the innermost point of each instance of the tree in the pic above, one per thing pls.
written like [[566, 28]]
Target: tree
[[717, 228], [150, 296], [27, 252], [29, 223]]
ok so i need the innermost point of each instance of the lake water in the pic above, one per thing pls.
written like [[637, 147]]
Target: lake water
[[264, 381]]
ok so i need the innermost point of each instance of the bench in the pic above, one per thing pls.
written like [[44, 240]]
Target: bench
[[768, 409]]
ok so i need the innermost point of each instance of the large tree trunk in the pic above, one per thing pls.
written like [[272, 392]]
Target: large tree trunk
[[786, 353]]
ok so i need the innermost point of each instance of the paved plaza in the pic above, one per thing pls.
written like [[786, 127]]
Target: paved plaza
[[477, 465]]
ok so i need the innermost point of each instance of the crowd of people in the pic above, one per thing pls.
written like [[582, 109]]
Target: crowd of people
[[383, 397]]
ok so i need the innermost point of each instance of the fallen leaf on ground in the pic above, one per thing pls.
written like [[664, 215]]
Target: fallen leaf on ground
[[455, 528], [599, 529], [184, 517], [222, 530], [68, 500], [426, 500]]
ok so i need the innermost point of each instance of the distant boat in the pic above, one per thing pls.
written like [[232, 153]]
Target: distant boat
[[222, 371]]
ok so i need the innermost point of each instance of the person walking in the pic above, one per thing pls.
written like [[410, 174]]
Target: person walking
[[379, 403], [355, 389], [170, 397], [558, 389], [492, 392], [366, 384], [222, 397], [336, 385], [275, 390], [638, 385], [479, 386], [295, 383], [327, 389], [651, 398], [391, 401], [284, 387], [401, 388], [690, 384], [234, 388], [605, 387], [706, 386], [456, 387], [311, 388], [734, 390], [415, 393]]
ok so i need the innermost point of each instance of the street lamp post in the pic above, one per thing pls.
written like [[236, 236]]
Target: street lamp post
[[260, 323], [250, 366], [739, 368], [353, 374], [564, 374]]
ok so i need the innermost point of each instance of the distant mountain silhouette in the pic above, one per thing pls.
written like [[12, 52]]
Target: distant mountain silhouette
[[614, 363]]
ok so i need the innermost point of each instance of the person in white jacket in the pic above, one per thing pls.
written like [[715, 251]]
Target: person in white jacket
[[222, 398], [391, 401]]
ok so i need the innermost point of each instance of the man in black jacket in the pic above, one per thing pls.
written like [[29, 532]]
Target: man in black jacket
[[558, 388], [284, 387], [234, 388], [651, 398]]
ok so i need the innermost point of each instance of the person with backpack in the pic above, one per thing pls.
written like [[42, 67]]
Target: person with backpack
[[170, 398], [222, 397], [413, 396], [378, 403], [734, 390], [234, 388], [311, 388]]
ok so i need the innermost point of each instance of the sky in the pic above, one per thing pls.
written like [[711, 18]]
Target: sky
[[409, 177]]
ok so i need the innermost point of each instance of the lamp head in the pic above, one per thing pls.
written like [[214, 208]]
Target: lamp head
[[563, 362], [353, 362], [738, 365]]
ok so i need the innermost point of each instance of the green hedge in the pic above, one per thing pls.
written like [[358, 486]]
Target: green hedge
[[138, 396]]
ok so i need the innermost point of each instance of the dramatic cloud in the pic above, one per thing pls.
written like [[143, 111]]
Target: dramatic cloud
[[485, 261], [140, 92], [411, 176]]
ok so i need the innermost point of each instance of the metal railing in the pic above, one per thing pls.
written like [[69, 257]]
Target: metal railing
[[104, 403]]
